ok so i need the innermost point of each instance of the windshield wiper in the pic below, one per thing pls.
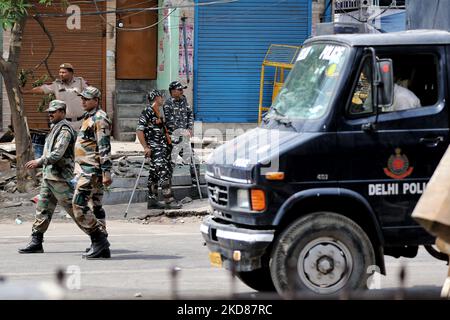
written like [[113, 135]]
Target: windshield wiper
[[285, 121], [278, 117]]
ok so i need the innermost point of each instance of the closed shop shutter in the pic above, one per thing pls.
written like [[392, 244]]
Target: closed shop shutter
[[84, 48], [231, 42]]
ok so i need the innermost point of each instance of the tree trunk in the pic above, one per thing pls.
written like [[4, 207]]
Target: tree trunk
[[9, 69]]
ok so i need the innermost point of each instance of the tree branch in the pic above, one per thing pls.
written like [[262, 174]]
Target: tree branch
[[2, 65], [52, 46], [15, 44]]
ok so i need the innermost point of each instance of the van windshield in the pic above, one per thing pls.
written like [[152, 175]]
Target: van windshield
[[310, 85]]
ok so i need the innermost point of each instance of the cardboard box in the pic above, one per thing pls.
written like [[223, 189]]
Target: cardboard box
[[433, 209]]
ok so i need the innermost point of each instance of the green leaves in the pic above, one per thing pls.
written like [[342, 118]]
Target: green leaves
[[13, 10]]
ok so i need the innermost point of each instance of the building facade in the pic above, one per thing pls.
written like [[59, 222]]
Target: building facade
[[127, 47]]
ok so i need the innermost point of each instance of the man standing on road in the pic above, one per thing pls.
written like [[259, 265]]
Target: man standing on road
[[180, 122], [57, 162], [66, 88], [93, 154], [155, 139]]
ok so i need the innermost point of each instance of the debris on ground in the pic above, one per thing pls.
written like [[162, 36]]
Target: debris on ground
[[186, 200], [8, 136], [18, 220], [129, 166]]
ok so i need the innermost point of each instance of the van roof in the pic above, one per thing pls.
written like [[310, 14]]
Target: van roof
[[410, 37]]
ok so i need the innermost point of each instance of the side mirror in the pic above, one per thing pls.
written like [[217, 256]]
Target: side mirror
[[385, 88]]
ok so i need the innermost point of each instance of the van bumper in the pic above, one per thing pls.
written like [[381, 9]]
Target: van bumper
[[225, 239]]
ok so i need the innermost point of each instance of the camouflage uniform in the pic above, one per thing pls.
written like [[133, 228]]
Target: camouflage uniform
[[160, 167], [58, 164], [93, 154], [179, 117]]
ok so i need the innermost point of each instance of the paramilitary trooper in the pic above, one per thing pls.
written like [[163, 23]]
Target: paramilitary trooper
[[180, 121], [93, 154], [57, 162], [155, 139]]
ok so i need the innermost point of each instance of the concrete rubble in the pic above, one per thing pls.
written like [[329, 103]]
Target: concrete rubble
[[127, 160]]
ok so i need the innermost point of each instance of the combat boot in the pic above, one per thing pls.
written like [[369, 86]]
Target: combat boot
[[106, 253], [103, 223], [35, 245], [100, 246], [172, 204], [153, 203]]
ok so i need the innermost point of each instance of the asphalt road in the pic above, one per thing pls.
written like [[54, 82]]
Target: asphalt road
[[143, 256]]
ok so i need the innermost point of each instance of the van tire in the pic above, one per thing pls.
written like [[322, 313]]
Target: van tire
[[314, 253], [259, 279]]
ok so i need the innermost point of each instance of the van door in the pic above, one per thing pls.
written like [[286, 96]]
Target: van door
[[391, 164]]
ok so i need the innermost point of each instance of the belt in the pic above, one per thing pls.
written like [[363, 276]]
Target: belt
[[74, 119]]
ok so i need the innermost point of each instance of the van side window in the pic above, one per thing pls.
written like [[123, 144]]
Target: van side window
[[415, 81], [361, 102]]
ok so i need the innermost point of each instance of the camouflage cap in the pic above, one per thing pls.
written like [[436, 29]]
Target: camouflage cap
[[56, 105], [176, 85], [66, 66], [90, 93], [153, 94]]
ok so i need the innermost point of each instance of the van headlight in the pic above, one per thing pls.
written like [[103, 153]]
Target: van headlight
[[243, 199]]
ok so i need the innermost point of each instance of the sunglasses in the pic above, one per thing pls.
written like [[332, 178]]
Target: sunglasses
[[51, 112], [85, 99]]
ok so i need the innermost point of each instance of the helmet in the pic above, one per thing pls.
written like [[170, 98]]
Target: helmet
[[176, 85]]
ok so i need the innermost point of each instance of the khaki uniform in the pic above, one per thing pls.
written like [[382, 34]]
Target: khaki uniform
[[93, 155], [66, 92]]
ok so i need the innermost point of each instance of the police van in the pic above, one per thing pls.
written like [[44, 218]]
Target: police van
[[315, 197]]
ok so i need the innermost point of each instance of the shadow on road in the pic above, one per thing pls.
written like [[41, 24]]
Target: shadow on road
[[142, 257]]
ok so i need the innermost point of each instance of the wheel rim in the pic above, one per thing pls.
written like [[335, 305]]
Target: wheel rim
[[324, 265]]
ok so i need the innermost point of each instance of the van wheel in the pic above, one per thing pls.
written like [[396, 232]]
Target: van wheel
[[259, 279], [321, 253]]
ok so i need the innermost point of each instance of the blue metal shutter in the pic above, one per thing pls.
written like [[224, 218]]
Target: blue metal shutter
[[231, 40]]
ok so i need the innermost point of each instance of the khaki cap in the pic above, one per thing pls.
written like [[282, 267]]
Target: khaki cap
[[66, 66]]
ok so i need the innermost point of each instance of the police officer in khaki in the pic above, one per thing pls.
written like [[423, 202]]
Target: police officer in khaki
[[57, 164], [66, 89]]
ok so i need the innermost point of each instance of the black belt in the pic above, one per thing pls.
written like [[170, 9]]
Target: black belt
[[74, 120]]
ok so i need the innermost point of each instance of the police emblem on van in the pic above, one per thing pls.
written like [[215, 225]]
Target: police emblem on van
[[398, 166]]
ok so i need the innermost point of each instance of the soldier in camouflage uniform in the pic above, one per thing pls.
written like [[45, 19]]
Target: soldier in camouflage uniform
[[180, 122], [93, 154], [154, 138], [57, 162]]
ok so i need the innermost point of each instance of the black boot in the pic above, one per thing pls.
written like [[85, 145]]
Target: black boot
[[100, 246], [153, 203], [35, 245], [106, 253], [172, 204], [90, 249]]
